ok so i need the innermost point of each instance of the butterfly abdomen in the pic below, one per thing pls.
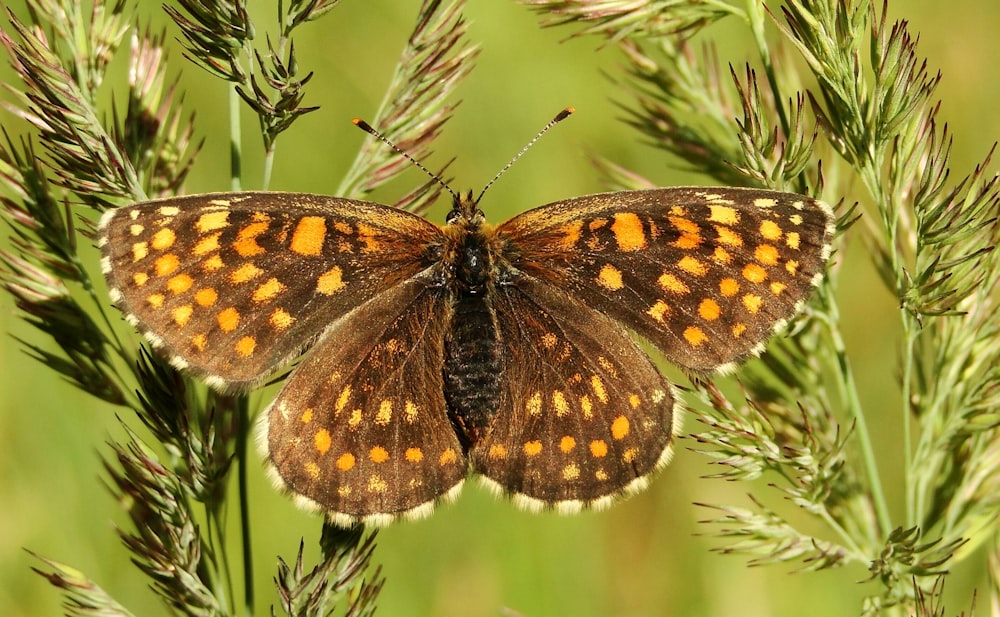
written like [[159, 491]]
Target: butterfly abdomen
[[472, 368]]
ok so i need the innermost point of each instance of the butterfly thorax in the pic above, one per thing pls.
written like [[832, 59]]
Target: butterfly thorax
[[472, 267]]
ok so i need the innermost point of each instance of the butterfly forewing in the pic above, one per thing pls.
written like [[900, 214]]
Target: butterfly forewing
[[704, 274], [232, 285], [584, 415], [360, 428]]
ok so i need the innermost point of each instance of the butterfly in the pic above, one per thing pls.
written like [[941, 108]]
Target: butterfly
[[430, 350]]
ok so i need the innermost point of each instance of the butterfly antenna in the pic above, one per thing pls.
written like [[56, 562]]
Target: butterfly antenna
[[364, 126], [562, 115]]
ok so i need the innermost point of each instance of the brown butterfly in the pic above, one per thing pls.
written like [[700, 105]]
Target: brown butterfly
[[436, 350]]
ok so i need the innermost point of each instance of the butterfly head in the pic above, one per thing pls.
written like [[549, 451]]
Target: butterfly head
[[465, 211]]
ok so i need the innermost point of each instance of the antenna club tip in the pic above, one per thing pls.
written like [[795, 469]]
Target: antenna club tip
[[562, 115], [364, 126]]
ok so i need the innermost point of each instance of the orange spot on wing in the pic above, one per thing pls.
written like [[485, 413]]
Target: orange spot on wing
[[309, 235], [659, 310], [322, 441], [245, 346], [728, 236], [597, 385], [199, 342], [599, 448], [268, 290], [208, 244], [246, 272], [628, 231], [330, 282], [610, 277], [671, 283], [212, 221], [695, 336], [690, 237], [342, 399], [721, 256], [139, 251], [709, 309], [766, 254], [770, 230], [228, 319], [620, 428], [345, 462], [206, 297], [213, 264], [692, 265], [167, 264], [571, 472], [246, 240], [752, 302], [182, 314], [559, 403], [447, 457], [280, 319], [729, 287], [180, 283], [754, 273], [725, 215], [533, 448], [163, 239]]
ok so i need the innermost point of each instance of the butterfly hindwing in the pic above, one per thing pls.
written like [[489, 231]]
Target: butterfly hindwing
[[706, 274], [360, 428], [233, 285], [583, 414]]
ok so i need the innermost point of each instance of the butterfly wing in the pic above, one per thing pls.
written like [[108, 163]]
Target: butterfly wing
[[583, 415], [370, 440], [233, 285], [705, 274]]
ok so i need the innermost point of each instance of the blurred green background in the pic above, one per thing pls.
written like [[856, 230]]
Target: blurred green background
[[481, 557]]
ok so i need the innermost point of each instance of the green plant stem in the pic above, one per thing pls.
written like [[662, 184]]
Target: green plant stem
[[242, 438], [235, 141], [849, 395], [858, 553], [909, 483], [222, 585]]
